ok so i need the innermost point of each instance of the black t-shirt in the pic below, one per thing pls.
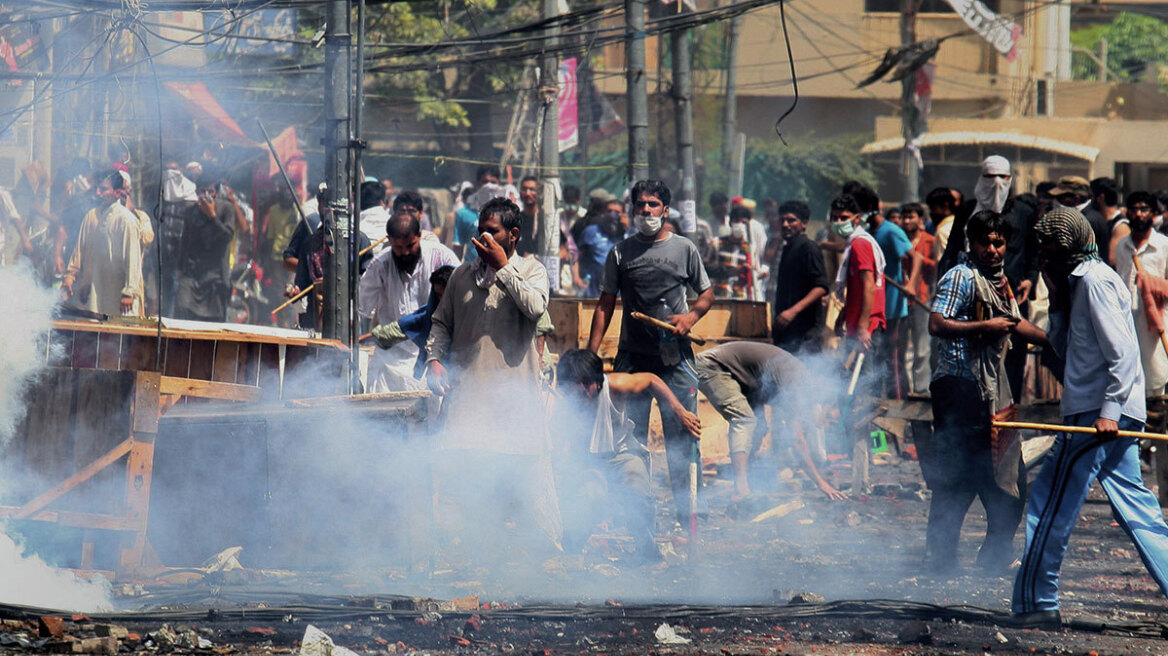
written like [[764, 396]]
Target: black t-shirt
[[800, 271]]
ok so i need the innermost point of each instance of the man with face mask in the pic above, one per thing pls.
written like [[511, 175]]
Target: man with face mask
[[860, 281], [1074, 192], [1103, 388], [595, 242], [397, 283], [651, 272], [994, 192]]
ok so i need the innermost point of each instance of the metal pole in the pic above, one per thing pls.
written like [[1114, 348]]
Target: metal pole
[[548, 228], [730, 115], [911, 172], [683, 122], [337, 319], [636, 92]]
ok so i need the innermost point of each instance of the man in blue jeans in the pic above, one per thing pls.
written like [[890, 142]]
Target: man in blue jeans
[[651, 272], [1091, 325]]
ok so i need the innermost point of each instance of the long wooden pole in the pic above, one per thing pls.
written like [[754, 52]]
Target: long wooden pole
[[639, 316], [908, 294], [310, 287], [1139, 270], [1027, 425]]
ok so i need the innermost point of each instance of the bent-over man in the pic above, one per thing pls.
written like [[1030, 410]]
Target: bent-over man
[[605, 456]]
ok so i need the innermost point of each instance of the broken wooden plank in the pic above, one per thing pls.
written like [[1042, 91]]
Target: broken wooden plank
[[781, 510]]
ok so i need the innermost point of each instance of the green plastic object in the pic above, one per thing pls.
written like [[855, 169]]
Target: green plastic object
[[879, 441]]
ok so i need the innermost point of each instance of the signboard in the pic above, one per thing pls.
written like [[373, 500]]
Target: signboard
[[1001, 33]]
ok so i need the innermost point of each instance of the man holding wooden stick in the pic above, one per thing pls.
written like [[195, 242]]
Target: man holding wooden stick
[[651, 272], [973, 318], [1092, 326]]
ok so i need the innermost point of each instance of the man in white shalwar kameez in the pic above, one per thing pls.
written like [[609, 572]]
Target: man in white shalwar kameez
[[482, 357], [397, 283], [105, 270]]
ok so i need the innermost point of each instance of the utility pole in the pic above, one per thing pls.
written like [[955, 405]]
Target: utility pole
[[683, 122], [636, 91], [910, 170], [730, 111], [337, 321], [548, 228]]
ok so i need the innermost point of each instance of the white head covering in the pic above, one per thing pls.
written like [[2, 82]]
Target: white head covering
[[991, 192]]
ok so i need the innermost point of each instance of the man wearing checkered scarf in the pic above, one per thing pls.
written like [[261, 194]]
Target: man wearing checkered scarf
[[1092, 329]]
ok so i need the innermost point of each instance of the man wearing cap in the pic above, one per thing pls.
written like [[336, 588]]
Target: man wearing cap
[[1075, 192], [1092, 327]]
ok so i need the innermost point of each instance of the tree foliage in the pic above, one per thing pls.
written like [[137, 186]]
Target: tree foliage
[[1134, 43], [811, 169]]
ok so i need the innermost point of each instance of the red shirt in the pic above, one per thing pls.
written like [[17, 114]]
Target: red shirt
[[923, 244], [862, 259]]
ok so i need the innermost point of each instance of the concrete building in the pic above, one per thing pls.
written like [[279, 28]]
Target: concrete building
[[1024, 106]]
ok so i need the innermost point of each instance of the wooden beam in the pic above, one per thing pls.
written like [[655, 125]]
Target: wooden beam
[[86, 473], [77, 519], [207, 389], [359, 398]]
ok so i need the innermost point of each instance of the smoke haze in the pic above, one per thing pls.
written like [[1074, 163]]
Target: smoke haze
[[24, 578]]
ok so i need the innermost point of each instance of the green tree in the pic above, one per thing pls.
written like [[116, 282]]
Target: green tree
[[1134, 43], [810, 169]]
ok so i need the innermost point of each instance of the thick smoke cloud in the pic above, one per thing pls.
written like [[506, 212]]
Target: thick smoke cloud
[[26, 579]]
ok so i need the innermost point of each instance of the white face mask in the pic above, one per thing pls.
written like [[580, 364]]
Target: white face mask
[[647, 226], [991, 193]]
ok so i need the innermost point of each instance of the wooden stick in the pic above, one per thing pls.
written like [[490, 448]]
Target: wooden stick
[[1028, 425], [310, 287], [856, 374], [639, 316], [1139, 270], [904, 290]]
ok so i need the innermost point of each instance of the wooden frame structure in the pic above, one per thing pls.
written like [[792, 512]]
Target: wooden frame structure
[[85, 450]]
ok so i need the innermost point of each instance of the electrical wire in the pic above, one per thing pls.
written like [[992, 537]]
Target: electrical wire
[[794, 77], [158, 211]]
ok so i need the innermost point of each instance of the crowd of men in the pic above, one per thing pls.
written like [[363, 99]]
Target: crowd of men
[[942, 298]]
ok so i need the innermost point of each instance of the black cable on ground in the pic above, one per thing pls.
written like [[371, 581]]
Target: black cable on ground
[[230, 606]]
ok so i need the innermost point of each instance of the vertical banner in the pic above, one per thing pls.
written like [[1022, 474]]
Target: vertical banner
[[566, 105]]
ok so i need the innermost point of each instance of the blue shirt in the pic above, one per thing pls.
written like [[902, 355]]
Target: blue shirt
[[954, 300], [593, 249], [895, 245], [466, 225], [1098, 336]]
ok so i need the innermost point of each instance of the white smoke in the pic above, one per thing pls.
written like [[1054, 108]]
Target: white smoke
[[28, 316], [27, 579]]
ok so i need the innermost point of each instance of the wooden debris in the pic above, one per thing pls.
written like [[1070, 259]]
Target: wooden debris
[[781, 510]]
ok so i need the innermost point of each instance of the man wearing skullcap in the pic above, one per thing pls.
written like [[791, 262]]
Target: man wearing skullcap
[[1091, 327]]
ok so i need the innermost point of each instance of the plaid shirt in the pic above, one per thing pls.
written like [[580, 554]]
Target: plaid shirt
[[954, 300]]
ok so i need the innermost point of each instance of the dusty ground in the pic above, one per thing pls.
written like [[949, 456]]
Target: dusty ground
[[736, 589]]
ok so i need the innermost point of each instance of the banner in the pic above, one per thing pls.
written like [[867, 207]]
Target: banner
[[567, 105], [1001, 33]]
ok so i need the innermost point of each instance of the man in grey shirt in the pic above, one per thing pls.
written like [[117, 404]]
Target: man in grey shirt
[[651, 272], [739, 378]]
